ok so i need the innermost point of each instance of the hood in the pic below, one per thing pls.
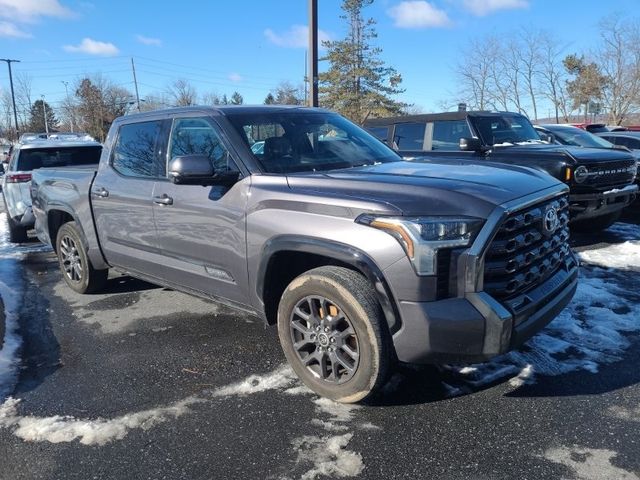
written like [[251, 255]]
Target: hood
[[581, 155], [443, 188]]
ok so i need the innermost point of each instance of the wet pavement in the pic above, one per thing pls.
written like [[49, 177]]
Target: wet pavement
[[141, 382]]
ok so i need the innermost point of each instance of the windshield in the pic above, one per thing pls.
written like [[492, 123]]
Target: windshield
[[306, 141], [32, 158], [578, 138], [504, 129]]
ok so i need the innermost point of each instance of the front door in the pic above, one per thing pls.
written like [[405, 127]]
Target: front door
[[122, 199], [201, 230]]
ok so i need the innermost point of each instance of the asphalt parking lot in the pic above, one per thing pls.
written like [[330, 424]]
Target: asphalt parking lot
[[141, 382]]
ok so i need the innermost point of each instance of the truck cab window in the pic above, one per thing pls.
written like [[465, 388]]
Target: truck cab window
[[409, 136], [134, 154], [447, 134], [192, 136]]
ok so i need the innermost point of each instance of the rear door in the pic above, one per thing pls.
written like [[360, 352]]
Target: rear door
[[201, 230], [122, 198]]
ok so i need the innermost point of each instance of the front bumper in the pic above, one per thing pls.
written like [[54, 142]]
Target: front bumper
[[589, 205], [476, 327], [28, 220]]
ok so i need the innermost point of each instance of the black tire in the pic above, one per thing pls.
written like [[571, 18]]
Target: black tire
[[352, 340], [75, 266], [17, 233], [596, 224]]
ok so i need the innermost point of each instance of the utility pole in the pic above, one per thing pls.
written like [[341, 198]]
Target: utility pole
[[44, 112], [66, 89], [313, 52], [13, 97], [135, 82]]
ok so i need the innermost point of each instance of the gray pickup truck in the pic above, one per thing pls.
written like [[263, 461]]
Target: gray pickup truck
[[360, 258]]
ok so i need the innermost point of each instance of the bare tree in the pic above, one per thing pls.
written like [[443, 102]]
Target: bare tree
[[530, 56], [474, 73], [618, 58], [552, 76], [182, 93], [24, 98]]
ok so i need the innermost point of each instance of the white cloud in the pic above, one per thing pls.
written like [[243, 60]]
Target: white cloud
[[481, 8], [296, 37], [10, 30], [156, 42], [93, 47], [235, 77], [30, 10], [418, 14]]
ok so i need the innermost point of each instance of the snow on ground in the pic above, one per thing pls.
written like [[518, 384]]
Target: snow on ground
[[589, 463], [593, 330], [623, 256], [99, 431]]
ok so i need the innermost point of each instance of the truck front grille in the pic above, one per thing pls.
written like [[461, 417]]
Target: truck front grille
[[611, 173], [525, 252]]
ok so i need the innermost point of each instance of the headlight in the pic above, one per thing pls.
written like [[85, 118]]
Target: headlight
[[422, 237]]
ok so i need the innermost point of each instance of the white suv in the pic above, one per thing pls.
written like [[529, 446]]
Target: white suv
[[28, 156]]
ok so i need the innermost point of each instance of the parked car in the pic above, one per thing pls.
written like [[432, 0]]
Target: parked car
[[601, 181], [628, 139], [29, 156], [360, 258], [601, 127]]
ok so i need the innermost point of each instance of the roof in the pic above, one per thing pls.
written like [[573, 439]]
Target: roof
[[623, 133], [226, 110], [550, 126], [432, 117]]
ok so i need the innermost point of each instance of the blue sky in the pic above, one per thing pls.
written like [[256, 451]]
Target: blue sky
[[252, 45]]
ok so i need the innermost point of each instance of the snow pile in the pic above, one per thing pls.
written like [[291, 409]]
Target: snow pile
[[59, 429], [329, 456], [9, 354], [593, 330]]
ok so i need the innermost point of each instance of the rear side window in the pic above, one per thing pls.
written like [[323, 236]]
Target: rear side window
[[135, 151], [380, 133], [409, 136], [193, 136], [633, 143], [28, 159], [447, 134]]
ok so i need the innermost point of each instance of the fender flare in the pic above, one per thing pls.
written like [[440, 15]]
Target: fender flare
[[342, 252]]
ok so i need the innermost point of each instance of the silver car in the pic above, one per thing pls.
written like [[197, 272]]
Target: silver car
[[25, 158]]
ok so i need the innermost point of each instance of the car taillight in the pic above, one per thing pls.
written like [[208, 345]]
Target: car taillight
[[18, 177]]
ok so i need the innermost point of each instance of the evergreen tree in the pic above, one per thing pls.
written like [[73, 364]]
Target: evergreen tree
[[269, 100], [587, 84], [358, 83], [36, 117], [236, 99]]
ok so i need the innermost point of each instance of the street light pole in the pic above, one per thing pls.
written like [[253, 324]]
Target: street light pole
[[66, 89], [313, 53], [44, 111], [13, 97]]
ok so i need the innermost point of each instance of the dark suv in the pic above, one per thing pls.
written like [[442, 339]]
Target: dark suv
[[601, 181]]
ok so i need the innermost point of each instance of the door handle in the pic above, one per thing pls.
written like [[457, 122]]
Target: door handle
[[163, 199], [100, 192]]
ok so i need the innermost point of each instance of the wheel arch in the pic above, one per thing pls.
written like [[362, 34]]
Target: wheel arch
[[301, 253]]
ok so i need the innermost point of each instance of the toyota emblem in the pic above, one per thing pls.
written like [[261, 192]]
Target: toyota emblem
[[551, 221]]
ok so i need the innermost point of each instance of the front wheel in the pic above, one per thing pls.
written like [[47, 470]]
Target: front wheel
[[596, 224], [334, 334], [76, 268]]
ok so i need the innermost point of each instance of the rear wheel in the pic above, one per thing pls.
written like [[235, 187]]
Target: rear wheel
[[596, 224], [334, 335], [76, 268]]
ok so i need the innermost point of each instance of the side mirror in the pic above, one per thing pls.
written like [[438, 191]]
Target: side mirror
[[197, 170], [546, 137], [471, 145]]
